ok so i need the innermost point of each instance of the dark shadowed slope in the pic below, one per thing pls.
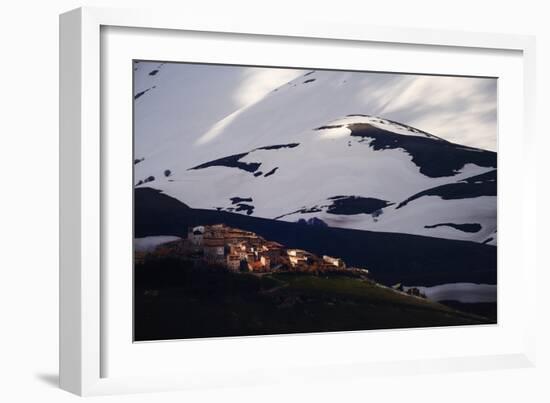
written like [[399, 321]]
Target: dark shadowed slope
[[349, 205], [234, 161], [475, 186], [390, 257], [435, 157]]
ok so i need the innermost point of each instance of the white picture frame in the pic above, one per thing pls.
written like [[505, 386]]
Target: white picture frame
[[83, 169]]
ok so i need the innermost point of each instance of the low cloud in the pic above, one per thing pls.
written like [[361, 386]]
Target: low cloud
[[459, 109], [258, 82]]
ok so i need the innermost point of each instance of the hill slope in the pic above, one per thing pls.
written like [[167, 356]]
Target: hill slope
[[307, 151]]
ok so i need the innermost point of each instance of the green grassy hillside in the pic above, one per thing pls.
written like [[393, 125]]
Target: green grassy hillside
[[175, 299]]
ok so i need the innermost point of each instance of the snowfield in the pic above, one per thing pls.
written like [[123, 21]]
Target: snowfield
[[308, 150], [461, 292]]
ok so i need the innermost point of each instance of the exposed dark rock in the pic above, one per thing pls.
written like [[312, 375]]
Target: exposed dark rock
[[304, 210], [231, 161], [487, 177], [346, 205], [259, 173], [146, 180], [329, 127], [411, 129], [271, 172], [278, 146], [167, 173], [235, 200], [245, 207], [140, 94], [461, 227], [154, 72], [435, 157], [349, 205], [376, 214], [475, 186], [309, 81]]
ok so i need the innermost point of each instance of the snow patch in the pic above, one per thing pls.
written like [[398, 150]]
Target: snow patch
[[461, 292]]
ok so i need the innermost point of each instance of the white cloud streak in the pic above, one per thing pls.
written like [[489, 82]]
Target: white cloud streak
[[258, 82], [459, 109]]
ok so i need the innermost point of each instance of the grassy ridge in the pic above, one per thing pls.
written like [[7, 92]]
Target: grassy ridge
[[175, 299]]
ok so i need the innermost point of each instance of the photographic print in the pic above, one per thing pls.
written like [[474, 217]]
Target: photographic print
[[274, 200]]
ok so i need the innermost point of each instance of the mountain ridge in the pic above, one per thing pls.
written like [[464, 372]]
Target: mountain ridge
[[303, 144]]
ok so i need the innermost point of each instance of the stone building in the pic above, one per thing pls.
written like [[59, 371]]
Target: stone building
[[334, 261], [214, 250]]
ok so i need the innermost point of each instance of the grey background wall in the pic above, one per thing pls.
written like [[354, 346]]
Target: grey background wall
[[29, 210]]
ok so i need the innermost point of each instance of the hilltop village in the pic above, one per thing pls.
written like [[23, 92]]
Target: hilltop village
[[245, 251]]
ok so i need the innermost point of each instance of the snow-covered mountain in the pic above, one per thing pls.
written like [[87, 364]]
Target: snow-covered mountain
[[310, 151]]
